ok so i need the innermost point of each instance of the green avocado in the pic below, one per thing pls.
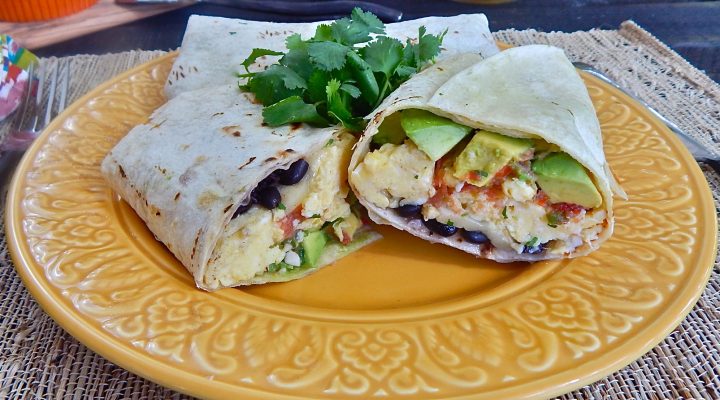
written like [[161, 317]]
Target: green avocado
[[565, 180], [487, 153], [390, 131], [432, 134], [313, 246]]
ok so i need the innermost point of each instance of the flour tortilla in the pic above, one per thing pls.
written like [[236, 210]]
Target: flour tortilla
[[198, 158], [213, 47], [528, 92]]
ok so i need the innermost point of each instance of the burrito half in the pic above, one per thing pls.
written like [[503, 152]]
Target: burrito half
[[235, 201], [500, 157]]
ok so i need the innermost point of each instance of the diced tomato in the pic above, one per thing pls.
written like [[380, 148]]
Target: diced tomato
[[541, 198], [501, 175], [569, 210], [346, 239], [287, 224]]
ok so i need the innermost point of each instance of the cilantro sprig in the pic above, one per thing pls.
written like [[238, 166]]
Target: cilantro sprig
[[339, 75]]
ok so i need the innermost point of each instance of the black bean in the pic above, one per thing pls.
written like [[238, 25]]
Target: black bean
[[294, 174], [268, 197], [476, 237], [409, 210], [440, 228], [243, 209], [534, 249]]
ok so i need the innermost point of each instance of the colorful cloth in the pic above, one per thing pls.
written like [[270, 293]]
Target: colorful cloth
[[18, 66]]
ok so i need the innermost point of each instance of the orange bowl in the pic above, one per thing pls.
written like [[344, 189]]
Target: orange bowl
[[38, 10]]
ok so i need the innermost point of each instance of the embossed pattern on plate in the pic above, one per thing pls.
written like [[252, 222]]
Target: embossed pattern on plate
[[424, 323]]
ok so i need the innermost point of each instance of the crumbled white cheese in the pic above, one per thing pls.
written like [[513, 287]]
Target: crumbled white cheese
[[292, 258]]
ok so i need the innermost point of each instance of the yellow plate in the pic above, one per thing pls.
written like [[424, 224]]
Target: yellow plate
[[400, 318]]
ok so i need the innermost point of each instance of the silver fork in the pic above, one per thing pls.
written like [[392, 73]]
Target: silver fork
[[33, 115], [699, 152]]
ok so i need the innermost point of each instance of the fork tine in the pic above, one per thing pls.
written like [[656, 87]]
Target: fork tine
[[64, 82], [51, 97]]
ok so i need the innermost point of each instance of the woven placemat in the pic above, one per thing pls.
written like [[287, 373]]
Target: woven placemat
[[38, 359]]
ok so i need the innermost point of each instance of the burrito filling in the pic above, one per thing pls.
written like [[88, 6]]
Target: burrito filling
[[293, 217], [493, 190]]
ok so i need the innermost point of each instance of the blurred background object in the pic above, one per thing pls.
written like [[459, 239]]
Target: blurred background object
[[40, 10]]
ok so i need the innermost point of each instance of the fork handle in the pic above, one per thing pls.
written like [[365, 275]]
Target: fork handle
[[9, 159]]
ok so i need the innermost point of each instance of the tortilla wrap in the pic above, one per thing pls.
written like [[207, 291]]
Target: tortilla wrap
[[524, 92], [213, 48], [188, 170]]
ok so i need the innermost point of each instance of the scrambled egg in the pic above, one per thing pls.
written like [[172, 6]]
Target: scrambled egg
[[254, 237], [254, 243], [395, 175]]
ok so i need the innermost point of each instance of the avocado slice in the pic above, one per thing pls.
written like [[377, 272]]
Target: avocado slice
[[390, 131], [313, 246], [487, 153], [432, 134], [565, 180]]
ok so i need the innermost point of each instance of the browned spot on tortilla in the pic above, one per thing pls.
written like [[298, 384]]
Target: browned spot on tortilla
[[186, 177], [289, 150], [247, 162], [181, 67], [182, 74], [440, 69], [233, 130], [158, 124], [157, 213], [195, 69], [295, 125], [206, 199], [200, 160], [249, 114], [377, 116], [218, 113], [122, 171], [269, 159], [229, 206], [197, 238], [184, 146], [177, 196], [169, 82], [264, 124]]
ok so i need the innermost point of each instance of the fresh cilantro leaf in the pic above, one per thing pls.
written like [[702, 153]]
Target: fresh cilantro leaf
[[363, 74], [350, 89], [298, 60], [317, 82], [292, 109], [323, 32], [295, 42], [383, 55], [404, 72], [276, 83], [281, 206], [372, 23], [428, 45], [349, 32], [327, 56], [338, 108], [504, 212], [532, 242], [257, 53]]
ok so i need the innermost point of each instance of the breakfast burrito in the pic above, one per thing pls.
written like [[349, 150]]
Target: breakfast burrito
[[500, 157], [238, 202]]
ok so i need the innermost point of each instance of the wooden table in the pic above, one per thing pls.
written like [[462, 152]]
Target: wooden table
[[690, 28]]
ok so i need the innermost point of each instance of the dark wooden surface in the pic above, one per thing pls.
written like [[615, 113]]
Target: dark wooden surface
[[690, 28]]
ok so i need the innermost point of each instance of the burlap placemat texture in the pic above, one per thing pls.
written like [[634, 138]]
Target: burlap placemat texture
[[38, 359]]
